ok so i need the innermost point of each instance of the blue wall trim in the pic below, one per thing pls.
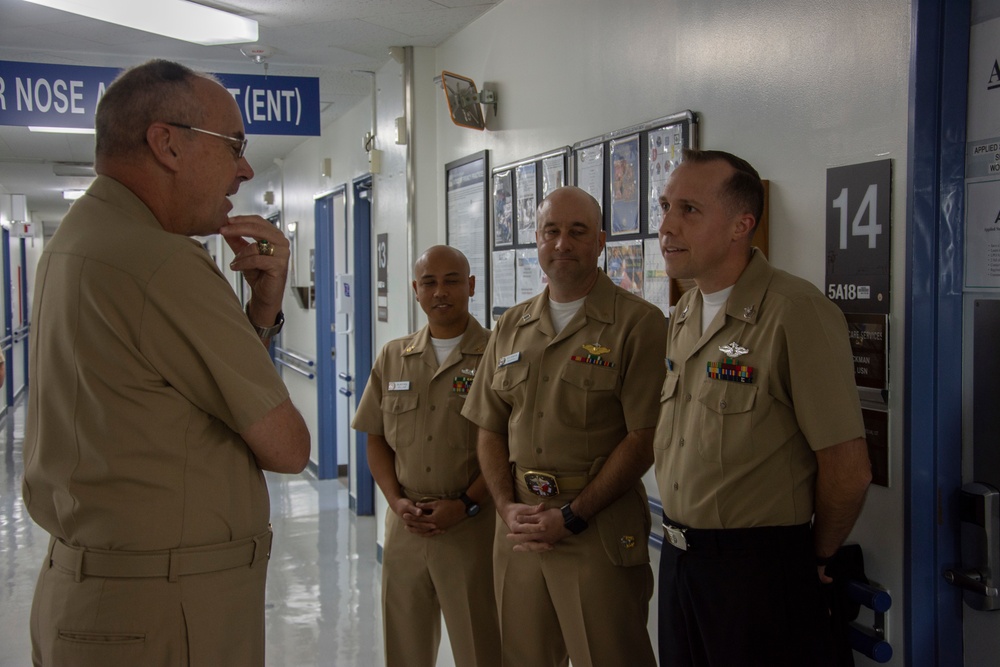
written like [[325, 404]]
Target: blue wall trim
[[363, 301], [326, 389], [932, 388]]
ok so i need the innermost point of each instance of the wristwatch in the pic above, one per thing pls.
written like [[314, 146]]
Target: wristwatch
[[471, 506], [573, 523], [267, 332]]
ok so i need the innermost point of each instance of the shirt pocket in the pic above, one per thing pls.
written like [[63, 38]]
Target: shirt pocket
[[668, 404], [400, 410], [726, 434], [589, 398]]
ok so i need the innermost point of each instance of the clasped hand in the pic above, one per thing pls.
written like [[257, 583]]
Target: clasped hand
[[532, 527]]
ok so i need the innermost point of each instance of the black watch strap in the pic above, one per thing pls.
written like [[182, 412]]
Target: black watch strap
[[573, 523], [471, 506]]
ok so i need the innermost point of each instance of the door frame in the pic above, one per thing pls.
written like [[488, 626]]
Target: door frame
[[932, 429], [326, 370], [364, 503]]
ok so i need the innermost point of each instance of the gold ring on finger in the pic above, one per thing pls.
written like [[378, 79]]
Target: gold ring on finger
[[265, 248]]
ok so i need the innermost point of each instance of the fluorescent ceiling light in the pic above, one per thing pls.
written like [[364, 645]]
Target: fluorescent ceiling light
[[73, 194], [62, 130], [178, 19]]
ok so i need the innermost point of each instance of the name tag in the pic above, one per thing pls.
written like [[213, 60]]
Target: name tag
[[402, 385], [509, 359]]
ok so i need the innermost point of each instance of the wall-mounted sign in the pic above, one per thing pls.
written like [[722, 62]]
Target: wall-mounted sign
[[47, 95], [382, 276], [869, 338], [877, 436], [858, 219]]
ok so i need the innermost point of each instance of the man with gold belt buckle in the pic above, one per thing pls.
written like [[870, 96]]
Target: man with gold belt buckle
[[566, 421], [154, 405], [438, 552]]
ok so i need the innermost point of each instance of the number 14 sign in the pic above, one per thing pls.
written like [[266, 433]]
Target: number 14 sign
[[857, 236]]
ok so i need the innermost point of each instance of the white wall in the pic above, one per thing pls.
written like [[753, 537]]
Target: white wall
[[794, 86]]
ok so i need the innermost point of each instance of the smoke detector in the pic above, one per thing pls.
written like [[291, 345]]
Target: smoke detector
[[257, 52]]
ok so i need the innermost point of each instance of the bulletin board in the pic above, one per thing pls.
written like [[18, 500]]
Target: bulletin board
[[625, 170], [467, 221], [517, 188]]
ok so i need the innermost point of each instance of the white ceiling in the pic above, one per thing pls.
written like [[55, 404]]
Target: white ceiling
[[328, 39]]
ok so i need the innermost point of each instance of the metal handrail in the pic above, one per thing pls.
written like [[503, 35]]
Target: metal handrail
[[295, 368], [292, 355]]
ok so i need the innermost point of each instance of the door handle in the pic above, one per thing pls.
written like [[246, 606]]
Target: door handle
[[345, 392], [979, 514], [346, 377]]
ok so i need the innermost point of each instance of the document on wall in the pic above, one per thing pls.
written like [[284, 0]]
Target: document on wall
[[664, 151], [657, 287], [625, 264], [527, 202], [590, 171], [466, 200], [553, 174], [530, 280], [504, 278]]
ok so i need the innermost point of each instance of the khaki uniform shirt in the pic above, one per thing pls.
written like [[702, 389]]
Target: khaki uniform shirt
[[417, 406], [733, 454], [144, 371], [564, 405]]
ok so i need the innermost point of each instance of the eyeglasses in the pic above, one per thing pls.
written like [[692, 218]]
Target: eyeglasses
[[239, 144]]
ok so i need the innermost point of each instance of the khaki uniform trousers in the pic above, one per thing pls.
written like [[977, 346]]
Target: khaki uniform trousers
[[214, 619], [571, 602], [449, 574]]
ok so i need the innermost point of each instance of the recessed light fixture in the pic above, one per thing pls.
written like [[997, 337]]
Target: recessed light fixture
[[73, 195], [178, 19], [61, 130]]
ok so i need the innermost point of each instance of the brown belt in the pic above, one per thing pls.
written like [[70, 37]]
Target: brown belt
[[170, 564]]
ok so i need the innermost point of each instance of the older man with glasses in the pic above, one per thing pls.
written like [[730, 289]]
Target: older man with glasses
[[153, 405]]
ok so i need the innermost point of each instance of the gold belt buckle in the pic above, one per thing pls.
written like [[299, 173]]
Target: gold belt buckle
[[541, 483], [676, 537]]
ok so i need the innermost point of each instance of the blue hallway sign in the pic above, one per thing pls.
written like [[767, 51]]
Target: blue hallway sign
[[47, 95]]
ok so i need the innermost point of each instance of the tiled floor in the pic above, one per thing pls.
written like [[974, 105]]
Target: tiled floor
[[323, 582]]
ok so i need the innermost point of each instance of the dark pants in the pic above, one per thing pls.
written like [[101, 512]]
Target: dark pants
[[743, 597]]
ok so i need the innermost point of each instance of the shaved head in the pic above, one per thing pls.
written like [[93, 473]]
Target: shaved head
[[439, 253]]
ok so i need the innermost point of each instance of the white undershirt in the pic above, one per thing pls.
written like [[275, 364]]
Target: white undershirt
[[562, 313], [712, 304], [444, 346]]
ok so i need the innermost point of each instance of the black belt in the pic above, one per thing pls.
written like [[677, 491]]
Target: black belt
[[727, 540]]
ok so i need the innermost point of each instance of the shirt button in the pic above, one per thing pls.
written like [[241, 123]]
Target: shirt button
[[676, 486], [433, 408], [428, 468], [586, 383], [722, 405], [687, 397], [505, 383], [539, 414], [682, 442], [545, 378], [538, 450], [429, 438]]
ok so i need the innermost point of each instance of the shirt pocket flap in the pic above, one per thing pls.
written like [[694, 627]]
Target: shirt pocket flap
[[397, 404], [589, 377], [510, 376], [669, 387], [727, 398]]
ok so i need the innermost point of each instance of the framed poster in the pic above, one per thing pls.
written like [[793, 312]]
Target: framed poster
[[625, 186], [664, 149], [624, 261], [503, 209], [553, 173], [527, 202], [467, 219], [589, 171]]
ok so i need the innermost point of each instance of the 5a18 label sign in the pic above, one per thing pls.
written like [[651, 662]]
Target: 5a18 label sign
[[858, 220]]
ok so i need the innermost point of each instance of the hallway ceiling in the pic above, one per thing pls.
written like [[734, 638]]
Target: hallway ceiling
[[317, 38]]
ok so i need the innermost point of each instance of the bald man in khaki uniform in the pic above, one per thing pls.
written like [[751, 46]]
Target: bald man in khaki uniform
[[153, 403], [760, 432], [566, 406], [422, 454]]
